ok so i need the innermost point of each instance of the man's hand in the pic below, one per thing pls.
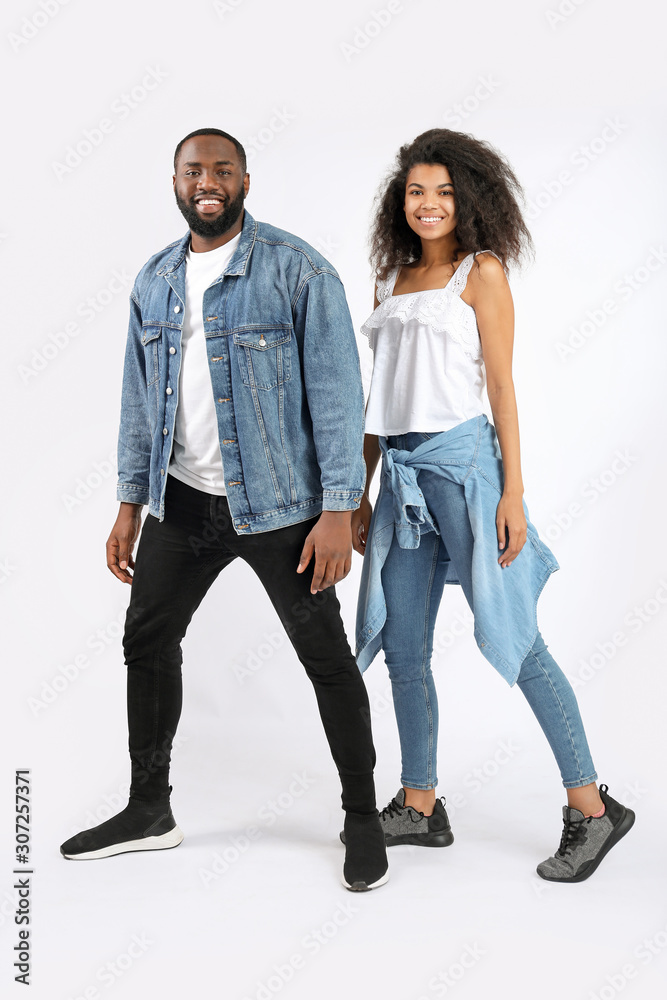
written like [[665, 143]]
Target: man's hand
[[330, 541], [361, 522], [120, 542]]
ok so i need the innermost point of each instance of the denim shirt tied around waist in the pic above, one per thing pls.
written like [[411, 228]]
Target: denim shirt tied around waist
[[505, 600], [285, 377]]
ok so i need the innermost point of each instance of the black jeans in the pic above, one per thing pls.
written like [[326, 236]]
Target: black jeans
[[177, 561]]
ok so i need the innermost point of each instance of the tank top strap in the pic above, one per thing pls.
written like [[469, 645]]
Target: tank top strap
[[458, 280], [386, 287]]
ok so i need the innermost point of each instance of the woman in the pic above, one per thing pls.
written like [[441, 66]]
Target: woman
[[450, 507]]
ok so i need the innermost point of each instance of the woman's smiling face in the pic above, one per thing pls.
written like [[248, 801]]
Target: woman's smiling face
[[429, 204]]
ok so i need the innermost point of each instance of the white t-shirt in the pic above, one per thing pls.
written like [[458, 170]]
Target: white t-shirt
[[428, 371], [196, 458]]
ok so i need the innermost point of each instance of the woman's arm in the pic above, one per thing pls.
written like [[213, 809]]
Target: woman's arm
[[361, 518], [489, 294]]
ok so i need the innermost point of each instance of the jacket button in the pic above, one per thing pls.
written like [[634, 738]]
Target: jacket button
[[172, 350], [169, 392], [177, 309], [162, 472], [165, 431]]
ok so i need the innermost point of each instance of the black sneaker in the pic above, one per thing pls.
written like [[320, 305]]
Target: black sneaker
[[141, 826], [402, 824], [586, 841], [366, 865]]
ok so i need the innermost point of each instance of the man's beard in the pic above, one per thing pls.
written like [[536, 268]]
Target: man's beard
[[211, 229]]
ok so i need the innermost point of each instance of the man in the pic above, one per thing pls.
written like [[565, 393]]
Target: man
[[241, 428]]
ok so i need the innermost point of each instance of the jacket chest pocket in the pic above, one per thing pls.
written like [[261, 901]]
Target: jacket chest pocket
[[264, 355], [151, 340]]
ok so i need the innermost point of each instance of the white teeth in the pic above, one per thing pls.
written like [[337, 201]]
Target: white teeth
[[215, 202], [430, 218]]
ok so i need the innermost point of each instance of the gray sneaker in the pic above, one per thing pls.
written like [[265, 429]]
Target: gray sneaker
[[586, 841], [404, 825]]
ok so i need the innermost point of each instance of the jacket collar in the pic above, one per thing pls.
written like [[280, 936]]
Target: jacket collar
[[240, 257]]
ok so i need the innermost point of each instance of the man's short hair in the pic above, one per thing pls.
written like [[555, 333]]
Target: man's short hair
[[213, 131]]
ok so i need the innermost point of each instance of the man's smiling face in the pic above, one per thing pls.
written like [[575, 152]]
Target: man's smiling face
[[210, 186]]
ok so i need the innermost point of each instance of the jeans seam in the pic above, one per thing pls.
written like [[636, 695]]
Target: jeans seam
[[583, 782], [563, 712], [427, 618], [473, 458]]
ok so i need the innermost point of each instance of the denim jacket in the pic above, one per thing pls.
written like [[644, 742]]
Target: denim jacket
[[285, 378], [505, 599]]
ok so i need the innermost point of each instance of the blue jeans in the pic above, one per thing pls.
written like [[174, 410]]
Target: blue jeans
[[413, 582]]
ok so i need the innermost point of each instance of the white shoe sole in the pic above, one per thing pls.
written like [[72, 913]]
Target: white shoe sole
[[362, 886], [162, 843]]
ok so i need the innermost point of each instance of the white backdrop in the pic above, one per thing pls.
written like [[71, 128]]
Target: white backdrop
[[96, 96]]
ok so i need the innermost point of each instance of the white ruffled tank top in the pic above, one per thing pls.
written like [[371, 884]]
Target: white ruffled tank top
[[428, 370]]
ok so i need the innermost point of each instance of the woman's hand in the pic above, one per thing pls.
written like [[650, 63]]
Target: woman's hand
[[511, 526], [361, 520]]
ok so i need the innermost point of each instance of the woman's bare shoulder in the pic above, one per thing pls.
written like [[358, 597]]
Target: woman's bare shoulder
[[488, 270]]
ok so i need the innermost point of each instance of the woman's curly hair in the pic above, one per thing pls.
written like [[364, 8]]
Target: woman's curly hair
[[486, 193]]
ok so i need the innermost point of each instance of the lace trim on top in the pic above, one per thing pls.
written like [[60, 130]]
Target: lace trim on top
[[442, 310], [456, 283]]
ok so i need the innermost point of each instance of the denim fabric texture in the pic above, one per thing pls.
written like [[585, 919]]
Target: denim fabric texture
[[285, 377], [503, 601], [412, 580]]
